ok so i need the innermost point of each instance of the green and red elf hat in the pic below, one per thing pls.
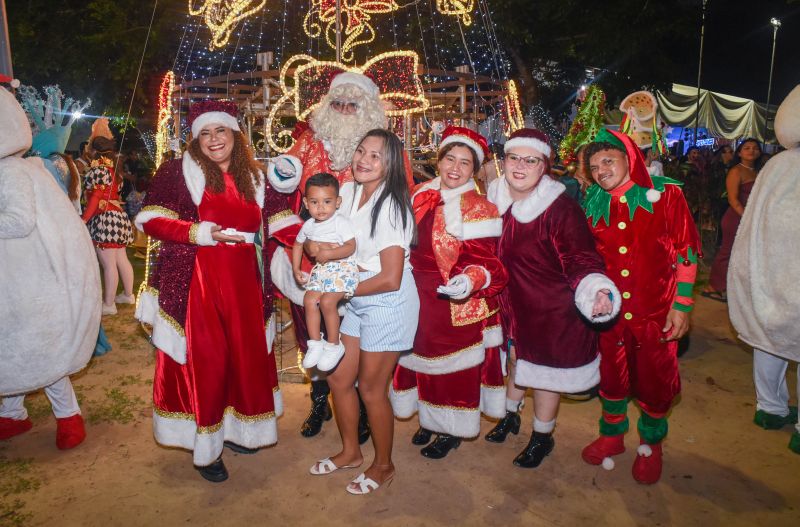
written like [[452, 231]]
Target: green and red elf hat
[[636, 165]]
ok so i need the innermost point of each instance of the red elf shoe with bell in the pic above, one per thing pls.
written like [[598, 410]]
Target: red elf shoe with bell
[[70, 432]]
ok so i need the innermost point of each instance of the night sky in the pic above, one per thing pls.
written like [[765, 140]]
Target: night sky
[[738, 45]]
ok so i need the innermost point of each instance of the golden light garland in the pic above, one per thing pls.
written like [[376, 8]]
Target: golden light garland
[[457, 8], [221, 16], [514, 117], [394, 72], [164, 116], [357, 29]]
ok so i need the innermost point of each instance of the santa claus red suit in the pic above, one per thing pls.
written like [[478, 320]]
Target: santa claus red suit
[[215, 379], [454, 372], [645, 232]]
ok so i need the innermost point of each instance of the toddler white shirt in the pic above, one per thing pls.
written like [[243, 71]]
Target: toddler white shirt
[[336, 229]]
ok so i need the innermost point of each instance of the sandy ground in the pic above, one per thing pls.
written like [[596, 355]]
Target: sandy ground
[[720, 469]]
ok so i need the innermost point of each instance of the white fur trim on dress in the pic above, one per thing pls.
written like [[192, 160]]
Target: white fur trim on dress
[[271, 332], [493, 336], [182, 432], [458, 361], [280, 268], [493, 401], [288, 221], [204, 233], [165, 337], [527, 210], [147, 215], [194, 178], [459, 422], [279, 183], [587, 290], [475, 147], [528, 142], [453, 215], [404, 402], [491, 228], [223, 118], [562, 380]]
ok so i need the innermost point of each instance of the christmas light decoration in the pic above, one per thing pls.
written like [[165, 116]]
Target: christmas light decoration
[[164, 115], [584, 128], [221, 16], [394, 72], [514, 117], [457, 8], [357, 29]]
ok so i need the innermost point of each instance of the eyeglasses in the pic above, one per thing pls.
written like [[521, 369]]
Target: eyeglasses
[[344, 107], [530, 162]]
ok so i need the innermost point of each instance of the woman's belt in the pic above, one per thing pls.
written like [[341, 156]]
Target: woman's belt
[[249, 237]]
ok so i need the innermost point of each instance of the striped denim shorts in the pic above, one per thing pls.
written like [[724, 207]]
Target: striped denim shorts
[[386, 321]]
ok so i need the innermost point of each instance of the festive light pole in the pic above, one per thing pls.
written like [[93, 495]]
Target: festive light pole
[[5, 53], [699, 71], [775, 25]]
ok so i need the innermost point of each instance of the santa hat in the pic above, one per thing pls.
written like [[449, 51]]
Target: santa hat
[[530, 138], [210, 111], [474, 140], [357, 79], [636, 165], [5, 79]]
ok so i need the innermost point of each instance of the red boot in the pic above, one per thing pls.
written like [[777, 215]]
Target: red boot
[[13, 427], [603, 447], [647, 467], [70, 432]]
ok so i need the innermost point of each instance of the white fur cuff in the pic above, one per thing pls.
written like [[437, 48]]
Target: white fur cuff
[[281, 182], [587, 291], [203, 235]]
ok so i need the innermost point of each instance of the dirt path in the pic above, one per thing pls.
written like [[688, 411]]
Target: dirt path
[[720, 468]]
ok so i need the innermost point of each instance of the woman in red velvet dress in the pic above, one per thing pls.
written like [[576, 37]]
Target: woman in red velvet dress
[[454, 372], [215, 381]]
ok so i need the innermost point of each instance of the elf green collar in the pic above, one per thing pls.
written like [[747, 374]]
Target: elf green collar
[[597, 203]]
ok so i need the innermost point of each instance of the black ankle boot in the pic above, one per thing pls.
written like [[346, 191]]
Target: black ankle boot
[[320, 411], [215, 472], [538, 447], [508, 424], [363, 423], [441, 446], [421, 437], [239, 449]]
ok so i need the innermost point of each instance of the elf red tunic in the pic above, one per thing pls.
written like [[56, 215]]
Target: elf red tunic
[[215, 377], [642, 249], [454, 372], [554, 274]]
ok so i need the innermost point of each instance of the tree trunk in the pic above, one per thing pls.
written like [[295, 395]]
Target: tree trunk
[[528, 87]]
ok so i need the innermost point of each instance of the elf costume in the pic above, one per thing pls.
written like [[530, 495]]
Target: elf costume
[[648, 239]]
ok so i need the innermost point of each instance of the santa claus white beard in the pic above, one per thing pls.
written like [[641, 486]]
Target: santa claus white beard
[[341, 133]]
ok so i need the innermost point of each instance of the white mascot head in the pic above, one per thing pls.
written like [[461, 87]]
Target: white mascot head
[[350, 109]]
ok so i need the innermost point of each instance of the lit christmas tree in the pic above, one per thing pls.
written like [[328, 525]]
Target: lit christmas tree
[[587, 123]]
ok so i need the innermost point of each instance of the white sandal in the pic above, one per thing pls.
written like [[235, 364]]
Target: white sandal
[[365, 485], [326, 466]]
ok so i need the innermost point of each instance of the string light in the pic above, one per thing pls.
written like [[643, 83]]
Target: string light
[[514, 117], [458, 8], [357, 29], [221, 16], [394, 72], [164, 116]]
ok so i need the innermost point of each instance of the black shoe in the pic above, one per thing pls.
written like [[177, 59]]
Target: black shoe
[[239, 449], [421, 437], [363, 424], [320, 411], [441, 446], [538, 447], [215, 472], [508, 424]]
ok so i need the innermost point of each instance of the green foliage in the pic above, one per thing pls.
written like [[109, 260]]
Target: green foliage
[[16, 477], [117, 407]]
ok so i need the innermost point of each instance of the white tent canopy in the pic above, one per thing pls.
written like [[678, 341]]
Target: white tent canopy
[[723, 115]]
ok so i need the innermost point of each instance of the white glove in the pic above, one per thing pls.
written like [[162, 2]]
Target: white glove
[[458, 288], [285, 168]]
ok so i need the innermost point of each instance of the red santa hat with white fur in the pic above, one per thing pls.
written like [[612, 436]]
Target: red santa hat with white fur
[[531, 138], [475, 141]]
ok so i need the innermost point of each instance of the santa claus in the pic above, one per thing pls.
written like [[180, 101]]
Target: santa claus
[[350, 109]]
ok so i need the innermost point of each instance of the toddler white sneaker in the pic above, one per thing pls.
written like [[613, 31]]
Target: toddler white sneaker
[[330, 358], [314, 353]]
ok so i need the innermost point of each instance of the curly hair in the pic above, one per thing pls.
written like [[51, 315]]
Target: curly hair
[[244, 168], [584, 174]]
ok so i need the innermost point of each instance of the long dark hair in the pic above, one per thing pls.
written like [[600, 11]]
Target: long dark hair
[[738, 159], [395, 187], [243, 168]]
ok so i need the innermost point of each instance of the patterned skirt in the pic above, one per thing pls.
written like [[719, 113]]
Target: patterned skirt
[[110, 229]]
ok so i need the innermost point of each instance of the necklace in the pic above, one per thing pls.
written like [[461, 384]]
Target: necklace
[[750, 168]]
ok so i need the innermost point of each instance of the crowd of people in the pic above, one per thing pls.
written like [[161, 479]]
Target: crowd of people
[[431, 299]]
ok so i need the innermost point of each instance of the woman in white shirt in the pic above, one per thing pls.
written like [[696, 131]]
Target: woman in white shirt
[[381, 318]]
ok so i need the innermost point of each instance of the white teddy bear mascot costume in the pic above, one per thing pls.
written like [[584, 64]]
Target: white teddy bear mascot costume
[[764, 277], [49, 286]]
